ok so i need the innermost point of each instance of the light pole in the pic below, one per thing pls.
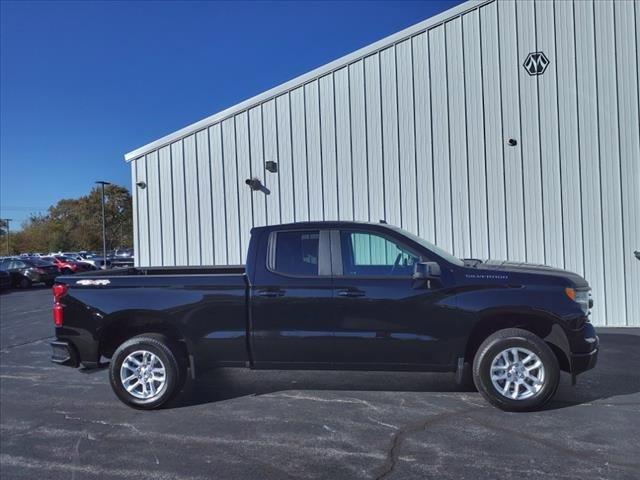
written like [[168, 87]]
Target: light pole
[[7, 220], [104, 229]]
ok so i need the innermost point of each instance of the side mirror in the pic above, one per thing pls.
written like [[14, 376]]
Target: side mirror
[[426, 270]]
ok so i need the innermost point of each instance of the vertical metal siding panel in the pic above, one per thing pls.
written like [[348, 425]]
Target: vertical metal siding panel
[[343, 144], [328, 141], [230, 165], [272, 180], [204, 198], [496, 172], [166, 206], [549, 142], [510, 66], [314, 158], [530, 143], [565, 65], [179, 203], [457, 138], [193, 204], [389, 95], [424, 153], [374, 137], [476, 153], [610, 163], [256, 154], [628, 62], [440, 126], [219, 196], [299, 149], [143, 214], [135, 191], [245, 194], [359, 142], [406, 136], [589, 155], [285, 162], [155, 218]]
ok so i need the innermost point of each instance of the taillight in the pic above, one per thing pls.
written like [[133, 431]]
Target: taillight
[[59, 291], [58, 314]]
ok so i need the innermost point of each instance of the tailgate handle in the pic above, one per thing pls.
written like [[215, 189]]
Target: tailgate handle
[[350, 293], [270, 293]]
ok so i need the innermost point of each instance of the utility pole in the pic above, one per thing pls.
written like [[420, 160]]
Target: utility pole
[[7, 220], [104, 229]]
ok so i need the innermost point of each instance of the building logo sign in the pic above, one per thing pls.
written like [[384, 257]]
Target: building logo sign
[[536, 63]]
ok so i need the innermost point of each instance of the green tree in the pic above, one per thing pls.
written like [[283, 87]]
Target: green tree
[[76, 224]]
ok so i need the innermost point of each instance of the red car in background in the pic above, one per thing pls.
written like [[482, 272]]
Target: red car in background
[[67, 265]]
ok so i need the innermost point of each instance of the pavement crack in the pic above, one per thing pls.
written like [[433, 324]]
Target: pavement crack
[[393, 452], [332, 400], [16, 345], [554, 446]]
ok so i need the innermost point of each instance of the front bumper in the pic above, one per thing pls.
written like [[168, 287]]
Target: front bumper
[[586, 357], [64, 353]]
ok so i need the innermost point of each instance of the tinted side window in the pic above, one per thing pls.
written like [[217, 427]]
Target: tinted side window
[[297, 252], [370, 254]]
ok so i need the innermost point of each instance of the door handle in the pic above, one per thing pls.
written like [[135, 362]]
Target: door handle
[[350, 293], [270, 293]]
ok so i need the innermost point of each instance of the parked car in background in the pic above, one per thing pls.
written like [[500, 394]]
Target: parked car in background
[[27, 271], [98, 261], [5, 280], [68, 265]]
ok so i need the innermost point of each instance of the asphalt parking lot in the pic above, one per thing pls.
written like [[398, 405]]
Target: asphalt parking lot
[[57, 422]]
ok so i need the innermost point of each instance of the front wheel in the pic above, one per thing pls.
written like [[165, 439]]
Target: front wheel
[[515, 370], [25, 282], [146, 371]]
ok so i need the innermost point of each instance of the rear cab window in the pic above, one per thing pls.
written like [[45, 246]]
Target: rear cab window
[[295, 252]]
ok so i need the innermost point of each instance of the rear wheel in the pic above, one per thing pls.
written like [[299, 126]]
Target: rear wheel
[[49, 283], [24, 282], [515, 370], [146, 371]]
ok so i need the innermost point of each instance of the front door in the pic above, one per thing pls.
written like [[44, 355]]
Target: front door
[[385, 318]]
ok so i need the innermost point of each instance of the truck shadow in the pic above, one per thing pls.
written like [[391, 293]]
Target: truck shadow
[[615, 375]]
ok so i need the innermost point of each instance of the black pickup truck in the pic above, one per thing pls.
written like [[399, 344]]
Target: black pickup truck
[[331, 295]]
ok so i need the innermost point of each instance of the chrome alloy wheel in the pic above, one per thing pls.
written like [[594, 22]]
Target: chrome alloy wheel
[[517, 373], [143, 374]]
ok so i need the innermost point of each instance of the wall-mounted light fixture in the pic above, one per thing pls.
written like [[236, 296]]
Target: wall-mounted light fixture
[[141, 185], [254, 183], [271, 166]]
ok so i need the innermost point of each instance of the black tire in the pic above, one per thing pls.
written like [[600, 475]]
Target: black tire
[[49, 283], [67, 271], [168, 353], [515, 338], [25, 282]]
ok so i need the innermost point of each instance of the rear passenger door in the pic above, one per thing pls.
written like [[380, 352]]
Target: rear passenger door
[[291, 313]]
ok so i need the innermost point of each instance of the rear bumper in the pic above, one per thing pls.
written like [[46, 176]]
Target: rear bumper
[[64, 353]]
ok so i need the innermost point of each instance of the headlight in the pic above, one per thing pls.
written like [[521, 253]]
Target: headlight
[[581, 297]]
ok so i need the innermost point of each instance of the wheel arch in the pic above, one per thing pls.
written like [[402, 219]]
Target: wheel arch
[[129, 324], [544, 326]]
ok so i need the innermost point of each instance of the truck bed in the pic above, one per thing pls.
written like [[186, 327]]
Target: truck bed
[[145, 271]]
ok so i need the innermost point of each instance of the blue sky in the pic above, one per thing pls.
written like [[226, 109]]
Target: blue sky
[[82, 83]]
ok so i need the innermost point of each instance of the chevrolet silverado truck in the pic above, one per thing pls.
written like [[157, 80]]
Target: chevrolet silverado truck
[[331, 295]]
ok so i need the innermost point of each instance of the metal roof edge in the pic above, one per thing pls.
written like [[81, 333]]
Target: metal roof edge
[[304, 78]]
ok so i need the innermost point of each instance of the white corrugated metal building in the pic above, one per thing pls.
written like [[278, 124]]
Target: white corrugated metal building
[[450, 129]]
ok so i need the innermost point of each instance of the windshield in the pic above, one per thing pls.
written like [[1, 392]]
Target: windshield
[[430, 246]]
